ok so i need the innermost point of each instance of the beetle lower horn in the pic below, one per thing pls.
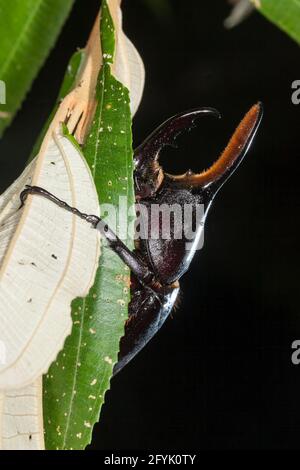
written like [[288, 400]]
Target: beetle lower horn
[[224, 167]]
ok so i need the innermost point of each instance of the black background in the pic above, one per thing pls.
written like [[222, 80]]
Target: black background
[[219, 374]]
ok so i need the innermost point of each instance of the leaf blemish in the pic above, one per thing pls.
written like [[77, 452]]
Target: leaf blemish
[[108, 360]]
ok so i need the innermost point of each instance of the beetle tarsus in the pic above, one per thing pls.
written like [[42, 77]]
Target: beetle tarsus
[[92, 219]]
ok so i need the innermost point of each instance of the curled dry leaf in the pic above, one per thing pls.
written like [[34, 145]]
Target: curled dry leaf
[[48, 257], [80, 104]]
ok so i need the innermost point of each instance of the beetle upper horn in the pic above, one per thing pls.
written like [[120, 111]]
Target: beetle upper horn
[[167, 132], [232, 156], [148, 173]]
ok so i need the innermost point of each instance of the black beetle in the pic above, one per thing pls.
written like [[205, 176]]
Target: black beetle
[[157, 265]]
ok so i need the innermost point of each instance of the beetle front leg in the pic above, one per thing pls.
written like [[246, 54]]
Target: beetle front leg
[[137, 266], [92, 219], [140, 269]]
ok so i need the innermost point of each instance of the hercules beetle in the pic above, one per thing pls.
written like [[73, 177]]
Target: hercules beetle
[[157, 265]]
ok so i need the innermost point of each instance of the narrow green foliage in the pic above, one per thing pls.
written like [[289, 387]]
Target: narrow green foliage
[[28, 30], [76, 384], [284, 13], [67, 86]]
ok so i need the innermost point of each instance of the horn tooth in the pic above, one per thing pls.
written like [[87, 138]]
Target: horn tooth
[[146, 156], [166, 134]]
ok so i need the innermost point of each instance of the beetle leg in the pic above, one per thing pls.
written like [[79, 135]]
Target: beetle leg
[[92, 219], [137, 266], [214, 178], [148, 173]]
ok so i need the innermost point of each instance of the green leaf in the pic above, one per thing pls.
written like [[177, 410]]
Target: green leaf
[[67, 86], [108, 42], [28, 30], [284, 13], [76, 384]]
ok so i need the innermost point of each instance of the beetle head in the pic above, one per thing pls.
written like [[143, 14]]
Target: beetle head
[[149, 175], [155, 186]]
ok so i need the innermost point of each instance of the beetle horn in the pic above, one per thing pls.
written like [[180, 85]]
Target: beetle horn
[[222, 169], [167, 133], [147, 169]]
